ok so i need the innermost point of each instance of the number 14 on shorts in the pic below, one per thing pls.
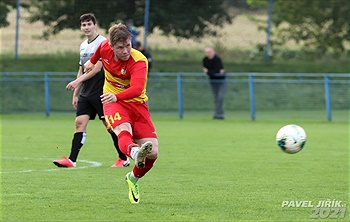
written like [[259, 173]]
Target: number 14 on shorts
[[112, 118]]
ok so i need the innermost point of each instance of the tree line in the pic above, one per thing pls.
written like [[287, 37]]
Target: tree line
[[319, 25]]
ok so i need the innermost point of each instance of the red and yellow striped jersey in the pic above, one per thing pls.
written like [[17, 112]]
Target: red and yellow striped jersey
[[126, 79]]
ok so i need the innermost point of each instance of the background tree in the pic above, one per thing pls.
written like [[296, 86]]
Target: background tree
[[318, 25], [181, 18], [5, 7]]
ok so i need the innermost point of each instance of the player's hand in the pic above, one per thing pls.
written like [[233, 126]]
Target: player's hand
[[75, 102], [72, 85], [108, 98]]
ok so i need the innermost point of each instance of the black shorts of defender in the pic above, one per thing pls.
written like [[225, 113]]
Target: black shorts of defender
[[90, 106]]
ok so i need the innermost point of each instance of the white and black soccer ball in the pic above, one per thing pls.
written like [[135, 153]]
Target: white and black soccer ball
[[291, 138]]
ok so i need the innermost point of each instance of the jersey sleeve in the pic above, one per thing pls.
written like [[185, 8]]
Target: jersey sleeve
[[137, 82], [136, 88]]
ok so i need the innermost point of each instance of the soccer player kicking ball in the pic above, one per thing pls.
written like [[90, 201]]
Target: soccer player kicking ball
[[124, 102], [86, 97]]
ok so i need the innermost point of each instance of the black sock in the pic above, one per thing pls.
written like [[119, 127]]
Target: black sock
[[115, 141], [77, 142]]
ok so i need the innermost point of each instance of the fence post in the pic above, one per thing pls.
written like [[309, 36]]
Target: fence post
[[327, 96], [268, 31], [252, 96], [47, 94], [179, 95], [145, 23], [18, 5]]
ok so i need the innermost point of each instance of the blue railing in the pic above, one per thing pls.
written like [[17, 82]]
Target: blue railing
[[181, 87]]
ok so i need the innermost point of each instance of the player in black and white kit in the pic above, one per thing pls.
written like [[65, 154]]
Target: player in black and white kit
[[86, 96]]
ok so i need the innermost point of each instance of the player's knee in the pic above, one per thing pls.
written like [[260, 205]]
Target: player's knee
[[80, 124], [154, 153]]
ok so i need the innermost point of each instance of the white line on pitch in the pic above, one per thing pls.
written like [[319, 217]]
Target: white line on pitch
[[92, 164]]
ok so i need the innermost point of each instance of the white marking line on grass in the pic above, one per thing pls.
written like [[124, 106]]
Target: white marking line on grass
[[92, 164]]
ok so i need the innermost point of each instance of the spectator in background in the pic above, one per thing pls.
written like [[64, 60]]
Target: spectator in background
[[213, 67], [139, 47], [132, 29]]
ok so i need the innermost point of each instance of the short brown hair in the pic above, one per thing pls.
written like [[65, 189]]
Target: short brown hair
[[119, 33], [88, 17]]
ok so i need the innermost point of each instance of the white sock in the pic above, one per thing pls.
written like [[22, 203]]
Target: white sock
[[132, 174], [133, 152]]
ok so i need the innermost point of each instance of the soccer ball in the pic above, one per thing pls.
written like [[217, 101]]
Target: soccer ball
[[291, 138]]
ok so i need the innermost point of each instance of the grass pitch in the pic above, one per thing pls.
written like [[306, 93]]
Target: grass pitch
[[207, 170]]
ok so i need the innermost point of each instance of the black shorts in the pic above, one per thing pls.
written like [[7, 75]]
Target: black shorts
[[90, 106]]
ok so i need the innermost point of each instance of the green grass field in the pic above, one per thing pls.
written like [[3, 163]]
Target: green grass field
[[207, 170]]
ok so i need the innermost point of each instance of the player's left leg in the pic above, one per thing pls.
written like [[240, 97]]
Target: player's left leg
[[123, 160], [78, 141]]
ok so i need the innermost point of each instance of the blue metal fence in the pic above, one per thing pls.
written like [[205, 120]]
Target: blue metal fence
[[189, 92]]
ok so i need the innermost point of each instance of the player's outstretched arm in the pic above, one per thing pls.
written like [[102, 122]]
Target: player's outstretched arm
[[75, 83], [88, 66]]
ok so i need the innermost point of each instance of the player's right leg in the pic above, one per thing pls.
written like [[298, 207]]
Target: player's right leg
[[139, 154], [147, 154], [142, 165], [134, 193]]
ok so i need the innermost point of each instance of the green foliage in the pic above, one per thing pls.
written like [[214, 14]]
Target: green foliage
[[319, 26], [68, 62], [207, 170], [5, 8], [181, 18], [257, 3], [190, 60]]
